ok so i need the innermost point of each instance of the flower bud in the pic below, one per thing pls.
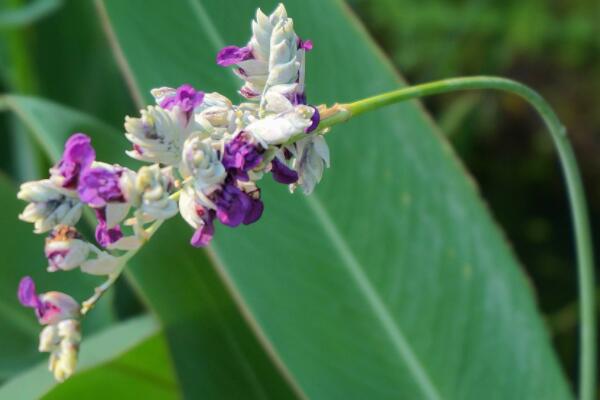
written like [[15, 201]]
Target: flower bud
[[148, 190], [62, 341], [49, 205], [65, 249], [201, 162]]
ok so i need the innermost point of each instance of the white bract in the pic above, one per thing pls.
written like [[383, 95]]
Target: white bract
[[49, 205], [311, 158]]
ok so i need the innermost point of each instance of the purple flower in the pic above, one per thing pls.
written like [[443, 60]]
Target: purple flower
[[99, 186], [232, 205], [254, 212], [204, 233], [186, 97], [77, 157], [104, 235], [28, 296], [233, 55], [306, 45], [316, 118], [282, 173], [51, 307], [241, 155]]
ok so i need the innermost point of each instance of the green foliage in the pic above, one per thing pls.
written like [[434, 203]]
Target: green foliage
[[130, 353], [390, 281]]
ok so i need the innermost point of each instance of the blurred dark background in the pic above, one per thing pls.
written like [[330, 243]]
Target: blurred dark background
[[59, 51]]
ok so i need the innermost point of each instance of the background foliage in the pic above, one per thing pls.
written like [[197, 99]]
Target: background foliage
[[328, 341]]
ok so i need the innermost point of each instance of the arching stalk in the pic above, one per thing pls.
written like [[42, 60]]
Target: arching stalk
[[585, 264]]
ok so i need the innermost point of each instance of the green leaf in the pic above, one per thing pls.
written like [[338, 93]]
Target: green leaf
[[27, 14], [145, 372], [392, 280], [120, 352], [216, 354], [23, 254]]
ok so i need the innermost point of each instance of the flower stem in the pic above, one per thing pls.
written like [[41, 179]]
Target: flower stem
[[585, 264], [87, 305]]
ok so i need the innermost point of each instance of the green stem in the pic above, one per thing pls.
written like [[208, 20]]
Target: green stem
[[585, 264]]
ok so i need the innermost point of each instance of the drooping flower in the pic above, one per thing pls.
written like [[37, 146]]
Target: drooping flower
[[49, 205], [62, 341], [50, 307], [65, 249], [77, 156]]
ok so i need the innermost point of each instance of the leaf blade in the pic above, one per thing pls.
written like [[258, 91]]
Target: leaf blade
[[471, 258]]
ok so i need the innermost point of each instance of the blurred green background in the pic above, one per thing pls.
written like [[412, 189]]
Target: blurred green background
[[60, 52]]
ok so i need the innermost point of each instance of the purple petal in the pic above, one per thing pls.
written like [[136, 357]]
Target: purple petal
[[77, 157], [232, 205], [105, 236], [254, 212], [186, 97], [282, 173], [204, 234], [233, 55], [306, 45], [241, 155], [27, 294], [316, 118], [99, 186]]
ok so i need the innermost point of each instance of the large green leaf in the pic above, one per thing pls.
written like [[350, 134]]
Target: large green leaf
[[392, 280], [216, 354], [23, 254], [130, 351], [145, 372]]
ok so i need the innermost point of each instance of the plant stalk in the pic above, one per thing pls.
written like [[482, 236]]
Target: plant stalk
[[579, 214]]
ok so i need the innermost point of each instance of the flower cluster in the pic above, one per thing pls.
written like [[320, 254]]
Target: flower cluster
[[206, 157]]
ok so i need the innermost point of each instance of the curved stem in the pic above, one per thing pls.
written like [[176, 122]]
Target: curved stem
[[572, 177]]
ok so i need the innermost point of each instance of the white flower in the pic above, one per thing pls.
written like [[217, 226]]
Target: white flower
[[148, 190], [192, 205], [311, 157], [158, 135], [65, 249], [49, 205], [201, 162], [273, 57], [62, 341], [284, 121]]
